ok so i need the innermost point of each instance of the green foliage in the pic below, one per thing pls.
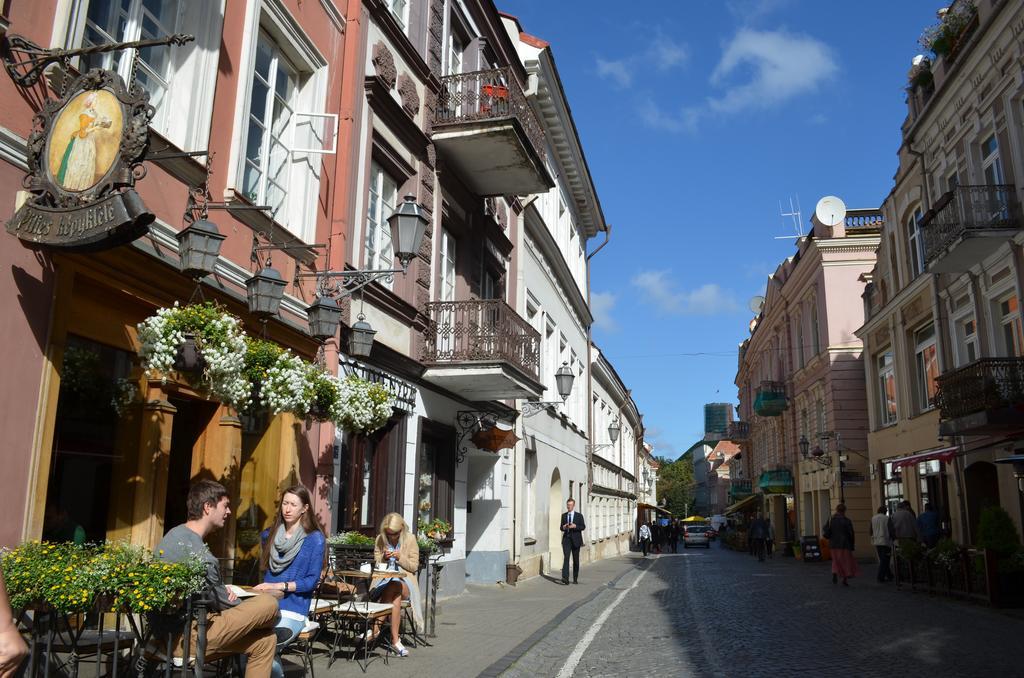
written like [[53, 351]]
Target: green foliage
[[435, 529], [997, 533], [675, 485], [349, 539], [66, 577], [260, 356], [941, 37], [945, 553]]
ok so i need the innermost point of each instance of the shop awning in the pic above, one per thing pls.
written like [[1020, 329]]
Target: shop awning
[[743, 505], [943, 453], [778, 481], [652, 507]]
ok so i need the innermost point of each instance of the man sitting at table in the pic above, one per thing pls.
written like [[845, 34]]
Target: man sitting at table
[[233, 626]]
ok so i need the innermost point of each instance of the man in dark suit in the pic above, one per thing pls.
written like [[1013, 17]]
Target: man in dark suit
[[572, 527]]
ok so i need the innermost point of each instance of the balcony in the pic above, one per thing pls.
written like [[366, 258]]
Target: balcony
[[486, 130], [967, 224], [986, 396], [739, 431], [481, 349], [770, 400]]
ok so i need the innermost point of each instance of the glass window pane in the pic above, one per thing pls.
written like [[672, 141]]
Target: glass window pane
[[251, 182], [278, 166], [282, 116], [254, 142], [264, 58]]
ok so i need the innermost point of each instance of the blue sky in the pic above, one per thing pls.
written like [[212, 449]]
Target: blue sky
[[698, 117]]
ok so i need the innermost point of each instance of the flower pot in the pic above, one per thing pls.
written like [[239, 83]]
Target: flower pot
[[190, 358]]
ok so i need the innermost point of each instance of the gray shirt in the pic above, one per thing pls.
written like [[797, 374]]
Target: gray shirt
[[179, 544]]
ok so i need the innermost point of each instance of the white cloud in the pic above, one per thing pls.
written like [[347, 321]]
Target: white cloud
[[818, 119], [601, 304], [666, 53], [708, 299], [784, 65], [749, 11], [654, 116], [616, 71]]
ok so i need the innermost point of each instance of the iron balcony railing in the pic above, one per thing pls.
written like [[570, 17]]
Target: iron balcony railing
[[481, 330], [770, 400], [965, 209], [986, 384], [487, 95], [738, 431]]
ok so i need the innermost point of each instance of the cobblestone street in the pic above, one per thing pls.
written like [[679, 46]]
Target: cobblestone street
[[712, 613]]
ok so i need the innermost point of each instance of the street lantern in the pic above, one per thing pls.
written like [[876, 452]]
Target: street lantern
[[408, 225], [1017, 460], [563, 380], [613, 430], [324, 316], [199, 247], [360, 339], [264, 292], [804, 445]]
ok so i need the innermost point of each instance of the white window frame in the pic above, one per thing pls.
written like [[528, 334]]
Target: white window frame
[[400, 10], [991, 162], [193, 77], [274, 19], [447, 266], [375, 208], [815, 327], [915, 244], [922, 344], [1013, 319], [966, 342], [883, 371]]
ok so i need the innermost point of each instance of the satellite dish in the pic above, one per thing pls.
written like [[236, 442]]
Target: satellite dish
[[830, 211], [756, 304]]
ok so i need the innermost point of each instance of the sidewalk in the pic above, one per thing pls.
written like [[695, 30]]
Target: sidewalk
[[484, 630]]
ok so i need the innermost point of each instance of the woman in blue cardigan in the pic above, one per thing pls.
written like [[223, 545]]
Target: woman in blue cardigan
[[292, 560]]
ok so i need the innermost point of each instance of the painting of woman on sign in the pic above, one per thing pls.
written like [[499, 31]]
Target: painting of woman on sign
[[85, 139]]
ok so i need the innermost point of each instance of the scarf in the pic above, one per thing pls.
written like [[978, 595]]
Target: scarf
[[285, 548]]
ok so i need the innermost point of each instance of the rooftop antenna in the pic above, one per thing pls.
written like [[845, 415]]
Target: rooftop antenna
[[797, 221]]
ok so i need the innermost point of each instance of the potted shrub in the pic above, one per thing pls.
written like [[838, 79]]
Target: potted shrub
[[998, 534], [944, 37], [167, 339]]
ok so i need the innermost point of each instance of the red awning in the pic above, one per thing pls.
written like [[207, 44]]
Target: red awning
[[943, 453]]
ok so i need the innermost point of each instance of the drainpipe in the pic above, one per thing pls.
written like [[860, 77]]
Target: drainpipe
[[590, 375]]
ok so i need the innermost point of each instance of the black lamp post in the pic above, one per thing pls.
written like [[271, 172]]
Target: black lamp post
[[360, 340], [563, 380], [804, 445], [324, 316], [613, 430], [199, 246], [264, 292], [407, 227]]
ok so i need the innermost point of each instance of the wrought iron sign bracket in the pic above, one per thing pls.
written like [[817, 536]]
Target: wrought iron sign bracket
[[26, 61], [467, 423], [598, 446], [341, 284], [532, 407]]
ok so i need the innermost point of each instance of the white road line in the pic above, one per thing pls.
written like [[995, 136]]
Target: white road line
[[588, 637]]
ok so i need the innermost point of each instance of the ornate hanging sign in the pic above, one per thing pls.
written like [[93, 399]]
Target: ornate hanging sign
[[85, 154]]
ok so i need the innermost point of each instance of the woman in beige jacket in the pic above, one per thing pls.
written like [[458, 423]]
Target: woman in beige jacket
[[396, 549]]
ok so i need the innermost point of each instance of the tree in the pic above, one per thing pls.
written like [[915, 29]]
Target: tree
[[675, 485]]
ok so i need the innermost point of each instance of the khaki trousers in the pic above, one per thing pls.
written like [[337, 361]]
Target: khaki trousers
[[246, 628]]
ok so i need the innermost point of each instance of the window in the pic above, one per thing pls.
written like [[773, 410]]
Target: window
[[967, 341], [180, 80], [927, 366], [265, 177], [435, 485], [530, 474], [991, 166], [446, 267], [1010, 326], [400, 10], [380, 205], [455, 49], [886, 389], [815, 332], [892, 486], [799, 342], [914, 243]]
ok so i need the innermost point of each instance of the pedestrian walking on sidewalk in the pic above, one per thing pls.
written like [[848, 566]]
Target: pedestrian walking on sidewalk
[[769, 542], [572, 527], [882, 533], [674, 531], [928, 524], [645, 538], [839, 532], [758, 534]]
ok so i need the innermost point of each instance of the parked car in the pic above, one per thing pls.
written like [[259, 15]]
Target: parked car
[[696, 535]]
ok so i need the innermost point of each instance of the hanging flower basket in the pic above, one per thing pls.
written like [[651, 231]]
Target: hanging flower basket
[[216, 352], [362, 406]]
